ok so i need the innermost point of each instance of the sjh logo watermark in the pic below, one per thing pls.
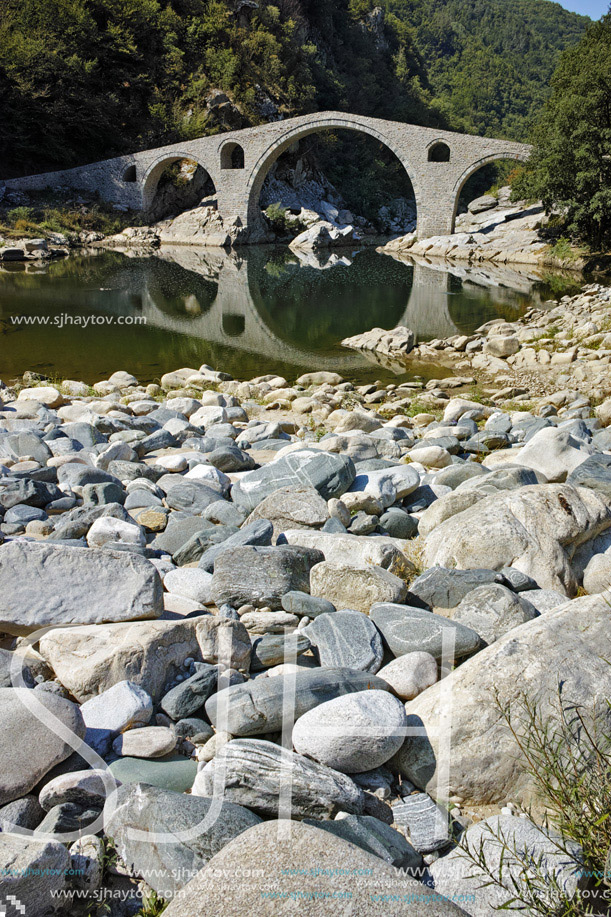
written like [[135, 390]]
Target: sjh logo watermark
[[10, 906]]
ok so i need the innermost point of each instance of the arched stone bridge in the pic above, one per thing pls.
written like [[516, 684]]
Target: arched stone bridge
[[437, 162]]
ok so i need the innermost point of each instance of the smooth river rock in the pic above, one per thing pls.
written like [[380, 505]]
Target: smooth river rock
[[346, 639], [30, 746], [408, 630], [257, 707], [354, 733], [253, 773]]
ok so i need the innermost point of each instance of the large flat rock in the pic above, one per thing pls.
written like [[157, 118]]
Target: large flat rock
[[42, 585], [293, 862], [89, 660]]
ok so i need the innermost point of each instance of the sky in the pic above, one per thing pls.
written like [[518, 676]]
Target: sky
[[593, 8]]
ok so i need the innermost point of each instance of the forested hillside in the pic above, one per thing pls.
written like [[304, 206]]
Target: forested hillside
[[86, 79]]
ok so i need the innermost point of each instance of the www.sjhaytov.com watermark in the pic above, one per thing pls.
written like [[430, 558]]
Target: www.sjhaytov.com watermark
[[66, 320]]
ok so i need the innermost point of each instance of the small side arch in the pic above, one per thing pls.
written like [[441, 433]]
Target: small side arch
[[232, 156], [439, 151], [475, 167], [155, 171], [129, 175]]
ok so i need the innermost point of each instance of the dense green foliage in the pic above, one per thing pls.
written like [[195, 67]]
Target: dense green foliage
[[571, 167], [84, 79], [489, 61]]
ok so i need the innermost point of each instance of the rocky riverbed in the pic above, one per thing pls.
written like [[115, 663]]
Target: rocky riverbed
[[256, 635]]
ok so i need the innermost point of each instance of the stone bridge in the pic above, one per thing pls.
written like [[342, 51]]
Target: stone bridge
[[437, 162]]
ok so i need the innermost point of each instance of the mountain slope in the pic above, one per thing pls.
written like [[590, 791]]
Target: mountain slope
[[85, 79]]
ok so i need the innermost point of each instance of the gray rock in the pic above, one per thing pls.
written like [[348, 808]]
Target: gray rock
[[274, 649], [168, 866], [399, 524], [27, 492], [443, 587], [492, 611], [194, 729], [354, 733], [26, 812], [407, 630], [258, 707], [190, 695], [375, 837], [545, 600], [78, 476], [331, 475], [535, 529], [346, 639], [517, 580], [252, 772], [454, 475], [30, 747], [304, 605], [190, 496], [292, 508], [231, 458], [261, 576], [32, 872], [594, 472], [508, 843], [274, 858], [428, 825], [99, 494], [44, 584], [145, 742], [179, 530], [87, 789], [122, 706], [258, 533]]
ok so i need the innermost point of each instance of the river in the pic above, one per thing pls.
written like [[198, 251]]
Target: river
[[247, 313]]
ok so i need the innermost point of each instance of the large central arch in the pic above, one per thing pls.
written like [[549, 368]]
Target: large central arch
[[265, 161]]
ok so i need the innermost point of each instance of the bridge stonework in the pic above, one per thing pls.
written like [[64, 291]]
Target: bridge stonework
[[238, 162]]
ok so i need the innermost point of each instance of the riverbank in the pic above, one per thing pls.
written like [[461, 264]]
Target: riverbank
[[248, 542], [565, 344]]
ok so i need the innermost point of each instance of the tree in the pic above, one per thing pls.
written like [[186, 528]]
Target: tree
[[570, 169]]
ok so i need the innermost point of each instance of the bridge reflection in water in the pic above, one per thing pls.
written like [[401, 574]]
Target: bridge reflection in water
[[269, 310], [272, 306]]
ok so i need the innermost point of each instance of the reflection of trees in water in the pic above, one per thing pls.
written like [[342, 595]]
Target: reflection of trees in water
[[178, 292], [317, 308]]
